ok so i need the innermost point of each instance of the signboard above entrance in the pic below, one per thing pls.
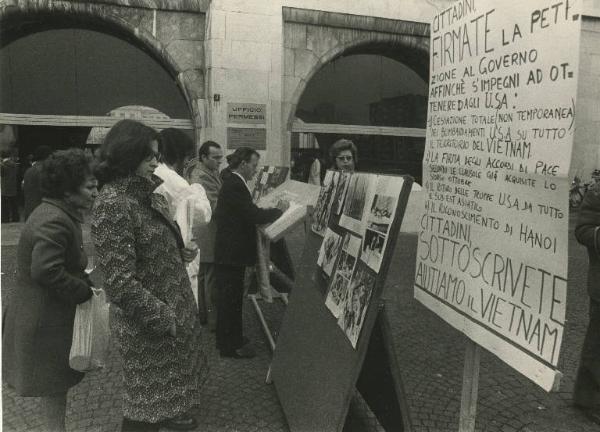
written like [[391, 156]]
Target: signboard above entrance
[[246, 113]]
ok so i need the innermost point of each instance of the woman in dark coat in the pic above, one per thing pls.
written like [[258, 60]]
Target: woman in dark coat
[[154, 319], [51, 283], [587, 385]]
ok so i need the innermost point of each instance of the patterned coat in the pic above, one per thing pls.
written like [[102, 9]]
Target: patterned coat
[[138, 247], [38, 326]]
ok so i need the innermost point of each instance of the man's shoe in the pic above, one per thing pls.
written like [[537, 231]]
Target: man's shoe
[[245, 352], [183, 422]]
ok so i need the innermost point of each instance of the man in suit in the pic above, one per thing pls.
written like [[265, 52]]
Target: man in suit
[[206, 173], [235, 249]]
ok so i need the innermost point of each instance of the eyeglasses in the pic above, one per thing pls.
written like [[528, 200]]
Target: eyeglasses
[[153, 155], [344, 158]]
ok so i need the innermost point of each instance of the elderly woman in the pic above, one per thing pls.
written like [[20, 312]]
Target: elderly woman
[[343, 155], [188, 204], [587, 385], [141, 252], [51, 283]]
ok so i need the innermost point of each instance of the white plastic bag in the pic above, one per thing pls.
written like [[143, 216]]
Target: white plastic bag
[[90, 334]]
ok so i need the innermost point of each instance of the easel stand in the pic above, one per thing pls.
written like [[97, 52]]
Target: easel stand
[[379, 382], [316, 368], [267, 292], [470, 387]]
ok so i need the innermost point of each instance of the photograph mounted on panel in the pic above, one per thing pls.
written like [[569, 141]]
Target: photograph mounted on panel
[[356, 199], [323, 210], [356, 303], [340, 194], [336, 294], [330, 248], [379, 218], [267, 179]]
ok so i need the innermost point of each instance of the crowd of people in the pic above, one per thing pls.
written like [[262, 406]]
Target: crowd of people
[[173, 254], [173, 236]]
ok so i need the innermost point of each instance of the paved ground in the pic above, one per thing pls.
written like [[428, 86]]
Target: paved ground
[[430, 355], [234, 398]]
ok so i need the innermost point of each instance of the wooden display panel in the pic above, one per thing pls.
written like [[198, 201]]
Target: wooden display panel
[[315, 366]]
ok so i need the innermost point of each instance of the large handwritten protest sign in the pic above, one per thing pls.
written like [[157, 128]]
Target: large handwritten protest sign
[[492, 254]]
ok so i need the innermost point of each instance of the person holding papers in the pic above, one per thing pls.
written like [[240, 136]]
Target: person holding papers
[[188, 204], [235, 249], [587, 385]]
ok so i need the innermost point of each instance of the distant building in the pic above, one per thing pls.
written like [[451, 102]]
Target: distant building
[[235, 55]]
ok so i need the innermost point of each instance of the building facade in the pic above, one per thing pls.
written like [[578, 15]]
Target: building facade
[[243, 66]]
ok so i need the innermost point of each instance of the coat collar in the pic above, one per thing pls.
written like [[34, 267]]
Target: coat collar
[[66, 207], [242, 179], [209, 172], [137, 186], [142, 189]]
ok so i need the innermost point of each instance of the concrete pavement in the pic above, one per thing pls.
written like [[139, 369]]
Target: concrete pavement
[[430, 355]]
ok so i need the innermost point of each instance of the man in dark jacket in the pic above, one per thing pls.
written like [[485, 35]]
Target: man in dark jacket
[[587, 385], [32, 186], [235, 249]]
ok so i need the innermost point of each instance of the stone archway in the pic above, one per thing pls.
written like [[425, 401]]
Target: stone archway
[[314, 38], [173, 36]]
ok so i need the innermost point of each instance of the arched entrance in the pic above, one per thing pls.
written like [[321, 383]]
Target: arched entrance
[[377, 102], [172, 38], [391, 134], [66, 65]]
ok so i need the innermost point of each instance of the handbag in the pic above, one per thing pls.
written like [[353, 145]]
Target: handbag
[[89, 347]]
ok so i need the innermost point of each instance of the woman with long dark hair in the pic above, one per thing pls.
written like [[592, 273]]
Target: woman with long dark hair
[[142, 255]]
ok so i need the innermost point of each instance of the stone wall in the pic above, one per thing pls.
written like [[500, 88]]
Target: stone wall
[[313, 38], [174, 37]]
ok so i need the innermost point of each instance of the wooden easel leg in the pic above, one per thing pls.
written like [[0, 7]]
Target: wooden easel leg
[[468, 402], [262, 321]]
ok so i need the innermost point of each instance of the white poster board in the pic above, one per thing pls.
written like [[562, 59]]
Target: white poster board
[[493, 246]]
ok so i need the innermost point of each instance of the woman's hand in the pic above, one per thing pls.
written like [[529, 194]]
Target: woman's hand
[[188, 254]]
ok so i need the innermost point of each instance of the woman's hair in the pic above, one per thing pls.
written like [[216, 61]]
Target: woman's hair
[[174, 146], [341, 145], [64, 171], [125, 147]]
